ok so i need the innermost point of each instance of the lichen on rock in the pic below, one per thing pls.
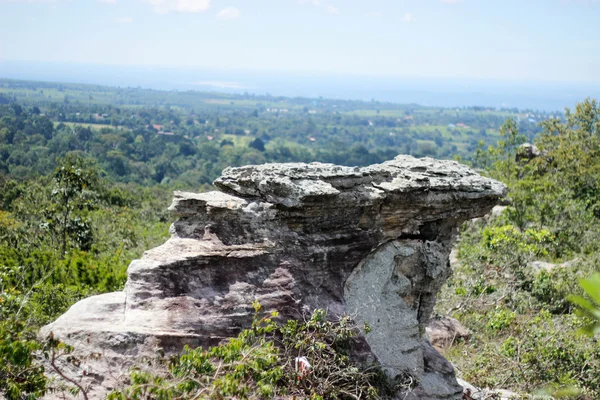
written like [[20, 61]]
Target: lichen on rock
[[370, 242]]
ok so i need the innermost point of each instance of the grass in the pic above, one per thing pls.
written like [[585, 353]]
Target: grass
[[238, 141], [87, 125], [46, 92]]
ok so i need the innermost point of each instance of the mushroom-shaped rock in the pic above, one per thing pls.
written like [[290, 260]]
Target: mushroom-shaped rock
[[370, 242]]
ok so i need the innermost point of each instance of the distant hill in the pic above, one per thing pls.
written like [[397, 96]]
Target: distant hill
[[438, 92]]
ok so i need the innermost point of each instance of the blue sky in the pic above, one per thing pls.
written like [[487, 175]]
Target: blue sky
[[543, 40]]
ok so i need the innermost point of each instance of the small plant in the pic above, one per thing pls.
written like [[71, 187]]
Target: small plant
[[20, 376], [511, 248], [510, 347], [500, 320], [262, 362]]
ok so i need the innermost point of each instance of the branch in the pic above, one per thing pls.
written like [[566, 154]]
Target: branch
[[66, 378]]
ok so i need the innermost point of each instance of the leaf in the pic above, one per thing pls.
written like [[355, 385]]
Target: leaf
[[591, 286]]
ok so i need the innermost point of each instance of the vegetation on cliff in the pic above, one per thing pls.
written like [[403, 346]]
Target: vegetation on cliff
[[525, 331], [64, 237], [268, 360]]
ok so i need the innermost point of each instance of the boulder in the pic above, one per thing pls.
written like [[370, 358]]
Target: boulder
[[539, 266], [474, 393], [497, 212], [444, 331], [527, 151], [370, 242]]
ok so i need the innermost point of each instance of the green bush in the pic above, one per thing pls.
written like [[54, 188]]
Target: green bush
[[500, 320], [260, 363], [21, 377], [525, 334], [42, 275]]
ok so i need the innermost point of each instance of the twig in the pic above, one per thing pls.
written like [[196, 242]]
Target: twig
[[66, 378], [26, 297]]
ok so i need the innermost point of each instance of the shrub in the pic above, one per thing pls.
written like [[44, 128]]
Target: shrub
[[260, 363]]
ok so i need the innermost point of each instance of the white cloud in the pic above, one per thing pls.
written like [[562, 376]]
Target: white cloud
[[108, 1], [124, 20], [408, 17], [332, 10], [182, 6], [229, 13]]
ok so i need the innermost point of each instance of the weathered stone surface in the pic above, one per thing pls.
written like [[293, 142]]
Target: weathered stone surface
[[372, 242], [475, 393], [539, 266], [497, 212], [443, 332], [527, 151]]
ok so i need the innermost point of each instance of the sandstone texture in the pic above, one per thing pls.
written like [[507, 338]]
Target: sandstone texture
[[538, 266], [370, 242], [475, 393], [443, 332]]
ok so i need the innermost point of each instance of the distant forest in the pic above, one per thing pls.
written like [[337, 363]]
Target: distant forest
[[152, 137]]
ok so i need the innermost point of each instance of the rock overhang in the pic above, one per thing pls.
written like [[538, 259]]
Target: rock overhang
[[297, 237]]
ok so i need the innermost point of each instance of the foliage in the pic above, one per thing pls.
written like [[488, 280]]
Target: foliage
[[531, 352], [525, 331], [259, 363], [73, 195], [38, 282], [588, 309], [153, 137], [500, 320], [20, 376], [86, 173], [512, 248]]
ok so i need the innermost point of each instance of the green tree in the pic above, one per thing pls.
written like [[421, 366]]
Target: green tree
[[74, 193], [257, 144]]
